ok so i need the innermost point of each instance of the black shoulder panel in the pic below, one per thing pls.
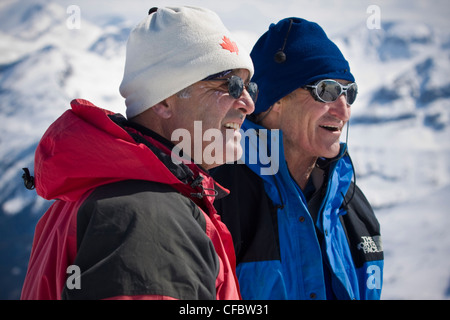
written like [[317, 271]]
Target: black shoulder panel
[[143, 238], [248, 213], [362, 228]]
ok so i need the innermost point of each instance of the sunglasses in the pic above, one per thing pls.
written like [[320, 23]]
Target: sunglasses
[[330, 90], [236, 87]]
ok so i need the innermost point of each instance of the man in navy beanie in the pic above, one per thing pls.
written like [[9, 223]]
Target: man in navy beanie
[[301, 227]]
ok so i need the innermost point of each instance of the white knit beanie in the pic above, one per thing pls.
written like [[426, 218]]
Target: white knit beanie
[[173, 48]]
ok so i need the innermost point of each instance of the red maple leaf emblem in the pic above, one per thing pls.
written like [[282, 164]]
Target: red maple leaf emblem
[[229, 45]]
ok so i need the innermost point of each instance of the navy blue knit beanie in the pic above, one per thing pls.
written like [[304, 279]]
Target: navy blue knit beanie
[[308, 56]]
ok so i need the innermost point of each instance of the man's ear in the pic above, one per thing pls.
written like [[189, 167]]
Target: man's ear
[[163, 109], [271, 119], [277, 106]]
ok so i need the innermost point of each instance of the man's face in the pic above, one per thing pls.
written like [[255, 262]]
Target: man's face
[[213, 119], [313, 127]]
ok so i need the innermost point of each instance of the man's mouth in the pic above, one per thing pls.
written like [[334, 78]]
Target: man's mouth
[[331, 128], [232, 125]]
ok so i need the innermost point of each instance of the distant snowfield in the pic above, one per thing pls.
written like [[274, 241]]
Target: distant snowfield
[[399, 140], [417, 246], [404, 172]]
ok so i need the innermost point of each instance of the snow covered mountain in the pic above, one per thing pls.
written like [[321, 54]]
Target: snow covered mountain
[[414, 62], [400, 122], [43, 66], [400, 144], [399, 133]]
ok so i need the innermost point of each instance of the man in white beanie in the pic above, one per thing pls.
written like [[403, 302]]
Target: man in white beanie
[[133, 216]]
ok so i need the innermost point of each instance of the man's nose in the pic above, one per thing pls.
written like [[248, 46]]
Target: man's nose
[[246, 103], [340, 108]]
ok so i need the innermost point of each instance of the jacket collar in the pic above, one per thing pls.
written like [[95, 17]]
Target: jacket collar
[[338, 169], [190, 174], [84, 149]]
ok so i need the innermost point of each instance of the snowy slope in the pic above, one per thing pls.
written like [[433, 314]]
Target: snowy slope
[[399, 133], [417, 245], [43, 66], [400, 143], [52, 67], [402, 115]]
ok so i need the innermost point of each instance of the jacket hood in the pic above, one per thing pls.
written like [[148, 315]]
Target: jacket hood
[[273, 169], [85, 148]]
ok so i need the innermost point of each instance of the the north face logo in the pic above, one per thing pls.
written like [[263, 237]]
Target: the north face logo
[[370, 244], [229, 45]]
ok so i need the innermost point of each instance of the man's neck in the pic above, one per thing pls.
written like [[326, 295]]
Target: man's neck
[[300, 166]]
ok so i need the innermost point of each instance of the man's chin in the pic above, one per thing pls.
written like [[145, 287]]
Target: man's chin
[[233, 153], [332, 152]]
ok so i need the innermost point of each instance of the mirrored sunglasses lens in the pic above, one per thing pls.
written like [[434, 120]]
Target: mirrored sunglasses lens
[[328, 90], [352, 92], [252, 89], [235, 86]]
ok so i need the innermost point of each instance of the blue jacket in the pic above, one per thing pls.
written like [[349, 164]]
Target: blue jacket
[[299, 245]]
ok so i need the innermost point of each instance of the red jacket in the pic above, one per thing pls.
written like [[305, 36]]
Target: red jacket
[[137, 225]]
